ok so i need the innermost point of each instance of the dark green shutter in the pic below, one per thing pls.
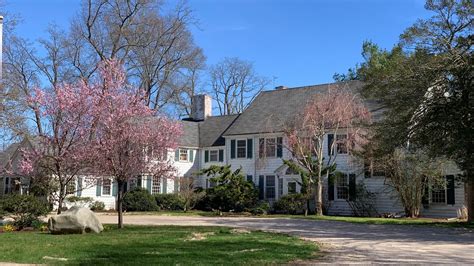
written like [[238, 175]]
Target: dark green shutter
[[330, 141], [279, 147], [331, 187], [232, 149], [261, 188], [176, 155], [221, 155], [191, 155], [148, 183], [176, 184], [206, 156], [139, 181], [165, 185], [250, 178], [79, 186], [249, 148], [450, 190], [352, 187], [114, 188], [98, 191]]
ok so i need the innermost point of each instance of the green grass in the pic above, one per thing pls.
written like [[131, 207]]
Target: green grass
[[146, 245], [398, 221]]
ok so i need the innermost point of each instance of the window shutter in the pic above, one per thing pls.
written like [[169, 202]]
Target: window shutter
[[249, 148], [114, 188], [331, 187], [176, 184], [279, 147], [148, 183], [450, 187], [221, 155], [139, 181], [98, 191], [79, 186], [250, 178], [261, 147], [165, 185], [176, 155], [206, 156], [352, 187], [261, 188], [191, 155], [330, 141], [232, 149]]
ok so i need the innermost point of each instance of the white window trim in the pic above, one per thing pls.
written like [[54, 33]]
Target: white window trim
[[265, 147], [217, 156], [336, 198], [237, 149], [102, 187], [336, 148]]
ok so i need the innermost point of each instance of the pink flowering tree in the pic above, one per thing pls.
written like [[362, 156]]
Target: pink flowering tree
[[61, 152], [336, 112], [129, 138]]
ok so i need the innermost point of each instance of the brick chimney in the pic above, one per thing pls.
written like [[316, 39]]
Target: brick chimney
[[201, 107]]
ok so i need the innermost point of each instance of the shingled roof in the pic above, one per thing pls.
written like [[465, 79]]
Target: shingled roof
[[212, 129], [190, 136], [271, 110]]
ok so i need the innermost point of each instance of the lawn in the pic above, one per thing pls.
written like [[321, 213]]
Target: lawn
[[399, 221], [145, 245], [362, 220]]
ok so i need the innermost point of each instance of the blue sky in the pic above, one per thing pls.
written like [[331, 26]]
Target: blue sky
[[294, 42]]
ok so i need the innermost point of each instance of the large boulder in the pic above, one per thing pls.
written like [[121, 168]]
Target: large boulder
[[76, 220]]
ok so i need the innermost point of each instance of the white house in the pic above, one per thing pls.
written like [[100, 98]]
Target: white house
[[254, 141]]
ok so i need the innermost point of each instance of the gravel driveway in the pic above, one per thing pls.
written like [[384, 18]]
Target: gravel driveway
[[347, 242]]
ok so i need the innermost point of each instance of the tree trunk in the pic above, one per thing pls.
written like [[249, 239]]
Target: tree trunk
[[60, 205], [319, 198], [469, 198], [120, 185]]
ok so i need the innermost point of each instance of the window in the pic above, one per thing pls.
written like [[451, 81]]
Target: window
[[270, 147], [213, 156], [71, 187], [270, 186], [290, 171], [291, 187], [183, 155], [280, 187], [106, 186], [156, 185], [341, 142], [342, 187], [438, 194], [241, 148]]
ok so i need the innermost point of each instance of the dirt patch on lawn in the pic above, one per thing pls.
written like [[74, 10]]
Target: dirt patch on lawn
[[199, 236]]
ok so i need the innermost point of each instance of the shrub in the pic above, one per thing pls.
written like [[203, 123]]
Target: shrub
[[24, 209], [139, 199], [233, 192], [169, 202], [79, 201], [97, 206], [290, 204], [261, 208]]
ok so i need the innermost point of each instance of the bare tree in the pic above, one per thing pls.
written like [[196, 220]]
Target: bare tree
[[155, 48], [335, 112], [235, 84]]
